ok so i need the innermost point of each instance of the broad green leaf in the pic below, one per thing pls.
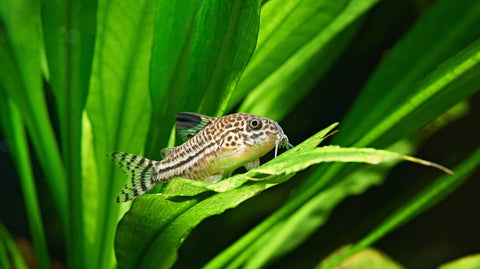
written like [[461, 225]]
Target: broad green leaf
[[206, 55], [298, 42], [118, 107], [20, 79], [222, 47], [174, 27], [150, 234], [468, 262], [431, 195], [69, 33], [368, 258]]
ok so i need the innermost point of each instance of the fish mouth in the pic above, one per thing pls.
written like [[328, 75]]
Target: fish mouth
[[282, 141]]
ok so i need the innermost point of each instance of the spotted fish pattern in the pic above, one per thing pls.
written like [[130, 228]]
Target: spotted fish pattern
[[214, 148]]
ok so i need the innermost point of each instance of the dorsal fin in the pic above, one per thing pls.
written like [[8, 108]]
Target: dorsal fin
[[188, 124], [166, 152]]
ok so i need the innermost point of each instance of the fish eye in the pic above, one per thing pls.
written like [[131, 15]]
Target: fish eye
[[255, 124]]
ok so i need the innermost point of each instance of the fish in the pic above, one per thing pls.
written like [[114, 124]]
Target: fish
[[214, 148]]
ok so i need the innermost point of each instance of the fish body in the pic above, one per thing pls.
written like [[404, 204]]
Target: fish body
[[215, 147]]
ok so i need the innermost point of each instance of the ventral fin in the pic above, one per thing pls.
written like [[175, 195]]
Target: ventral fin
[[252, 165], [188, 124], [166, 151], [212, 179]]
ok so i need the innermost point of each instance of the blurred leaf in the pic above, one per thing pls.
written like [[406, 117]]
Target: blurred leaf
[[411, 71], [174, 27], [206, 56], [10, 256], [468, 262], [14, 129], [69, 33], [447, 84], [454, 80], [431, 195], [20, 52], [118, 107], [298, 42], [222, 47], [90, 178], [367, 258], [451, 82]]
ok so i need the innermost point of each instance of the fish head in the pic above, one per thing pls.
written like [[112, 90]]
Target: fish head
[[248, 137], [264, 134]]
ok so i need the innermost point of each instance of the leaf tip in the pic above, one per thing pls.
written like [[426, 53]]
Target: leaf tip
[[432, 164]]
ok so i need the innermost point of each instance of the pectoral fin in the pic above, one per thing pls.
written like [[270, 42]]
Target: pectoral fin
[[188, 124], [252, 165], [166, 151]]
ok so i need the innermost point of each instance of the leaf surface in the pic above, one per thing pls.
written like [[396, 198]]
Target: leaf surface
[[298, 42]]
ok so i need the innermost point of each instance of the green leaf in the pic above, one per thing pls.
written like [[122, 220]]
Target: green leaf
[[415, 104], [468, 262], [118, 108], [306, 158], [20, 52], [169, 63], [450, 82], [14, 128], [232, 33], [150, 234], [142, 230], [284, 235], [367, 258], [69, 33], [198, 61], [298, 42], [10, 256], [186, 187], [418, 77], [146, 233], [431, 195]]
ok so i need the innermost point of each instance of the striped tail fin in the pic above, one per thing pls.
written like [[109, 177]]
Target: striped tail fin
[[139, 170]]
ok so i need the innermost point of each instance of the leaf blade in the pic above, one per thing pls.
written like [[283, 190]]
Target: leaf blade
[[431, 195]]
